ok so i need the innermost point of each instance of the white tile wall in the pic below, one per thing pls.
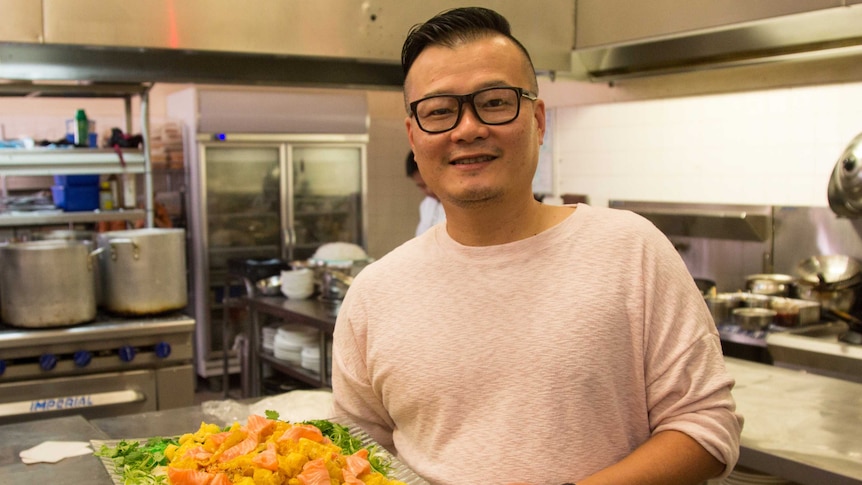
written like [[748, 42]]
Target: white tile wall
[[760, 147]]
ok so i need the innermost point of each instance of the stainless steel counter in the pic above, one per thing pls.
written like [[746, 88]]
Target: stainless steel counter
[[802, 427], [799, 426], [80, 470]]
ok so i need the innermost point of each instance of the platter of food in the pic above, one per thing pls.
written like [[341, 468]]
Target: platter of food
[[265, 450]]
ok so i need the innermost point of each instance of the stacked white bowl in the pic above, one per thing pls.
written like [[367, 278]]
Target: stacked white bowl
[[291, 339], [297, 284], [267, 338], [310, 358]]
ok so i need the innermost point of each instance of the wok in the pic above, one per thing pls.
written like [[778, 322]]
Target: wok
[[830, 271]]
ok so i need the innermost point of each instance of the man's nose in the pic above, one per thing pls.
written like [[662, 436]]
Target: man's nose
[[469, 122]]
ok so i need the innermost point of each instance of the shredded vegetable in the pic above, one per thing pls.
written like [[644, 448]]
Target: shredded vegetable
[[137, 462]]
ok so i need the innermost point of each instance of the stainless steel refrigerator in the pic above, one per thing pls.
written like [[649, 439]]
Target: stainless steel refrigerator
[[265, 195]]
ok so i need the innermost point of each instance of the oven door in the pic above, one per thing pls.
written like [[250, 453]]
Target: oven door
[[92, 396]]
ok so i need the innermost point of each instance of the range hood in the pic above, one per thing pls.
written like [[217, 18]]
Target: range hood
[[831, 32], [736, 222]]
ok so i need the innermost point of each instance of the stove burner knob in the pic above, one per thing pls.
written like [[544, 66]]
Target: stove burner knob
[[163, 350], [82, 358], [127, 353], [47, 361]]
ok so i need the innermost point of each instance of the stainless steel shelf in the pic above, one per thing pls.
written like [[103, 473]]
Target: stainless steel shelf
[[297, 372], [66, 161], [42, 219]]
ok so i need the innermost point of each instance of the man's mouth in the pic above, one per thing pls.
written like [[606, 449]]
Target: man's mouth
[[472, 160]]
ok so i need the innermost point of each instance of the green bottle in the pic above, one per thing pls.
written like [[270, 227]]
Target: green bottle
[[82, 129]]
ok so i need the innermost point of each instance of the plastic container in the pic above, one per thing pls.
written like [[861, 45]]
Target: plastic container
[[76, 180], [92, 136], [73, 198], [82, 129], [106, 200]]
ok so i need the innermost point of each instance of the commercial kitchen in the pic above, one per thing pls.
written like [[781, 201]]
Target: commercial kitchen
[[732, 127]]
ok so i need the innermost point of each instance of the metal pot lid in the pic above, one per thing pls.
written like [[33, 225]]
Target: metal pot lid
[[830, 271]]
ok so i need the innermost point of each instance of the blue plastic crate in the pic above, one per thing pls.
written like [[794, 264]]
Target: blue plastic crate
[[72, 198], [76, 180]]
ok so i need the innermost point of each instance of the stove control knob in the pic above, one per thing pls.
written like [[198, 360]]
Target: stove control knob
[[82, 358], [127, 353], [47, 361], [163, 350]]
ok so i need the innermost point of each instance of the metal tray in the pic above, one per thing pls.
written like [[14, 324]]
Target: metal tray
[[397, 471]]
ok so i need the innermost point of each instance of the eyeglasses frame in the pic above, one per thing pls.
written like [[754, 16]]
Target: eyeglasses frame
[[463, 98]]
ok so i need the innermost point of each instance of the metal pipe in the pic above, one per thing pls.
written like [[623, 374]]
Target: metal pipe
[[148, 166]]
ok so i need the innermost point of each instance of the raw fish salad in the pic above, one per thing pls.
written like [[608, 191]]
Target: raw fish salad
[[265, 451]]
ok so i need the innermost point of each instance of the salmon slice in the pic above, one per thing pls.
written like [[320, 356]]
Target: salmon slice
[[350, 478], [314, 473], [268, 458], [217, 438], [306, 431], [357, 463], [259, 426], [220, 479], [239, 449], [184, 476], [198, 453]]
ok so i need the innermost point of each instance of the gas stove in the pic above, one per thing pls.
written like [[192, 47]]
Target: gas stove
[[106, 367]]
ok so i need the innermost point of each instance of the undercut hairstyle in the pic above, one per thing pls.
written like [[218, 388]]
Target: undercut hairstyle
[[456, 26]]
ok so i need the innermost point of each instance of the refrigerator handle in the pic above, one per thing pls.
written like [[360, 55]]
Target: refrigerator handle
[[289, 243]]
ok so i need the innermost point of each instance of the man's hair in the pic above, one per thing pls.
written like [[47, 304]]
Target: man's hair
[[412, 166], [452, 27]]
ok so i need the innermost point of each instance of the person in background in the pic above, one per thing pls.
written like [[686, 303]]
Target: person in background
[[522, 342], [430, 210]]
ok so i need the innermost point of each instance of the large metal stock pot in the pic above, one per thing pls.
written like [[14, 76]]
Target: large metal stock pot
[[47, 283], [143, 271]]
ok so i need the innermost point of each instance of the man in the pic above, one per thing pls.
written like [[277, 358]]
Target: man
[[522, 342], [430, 210]]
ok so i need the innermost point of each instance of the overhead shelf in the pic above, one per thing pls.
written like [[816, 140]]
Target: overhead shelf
[[16, 162], [37, 218], [67, 161], [732, 222]]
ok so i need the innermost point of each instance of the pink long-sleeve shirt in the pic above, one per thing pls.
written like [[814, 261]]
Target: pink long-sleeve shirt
[[542, 360]]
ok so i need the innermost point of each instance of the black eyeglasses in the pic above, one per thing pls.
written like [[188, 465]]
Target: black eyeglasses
[[493, 106]]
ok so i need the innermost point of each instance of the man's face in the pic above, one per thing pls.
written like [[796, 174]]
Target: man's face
[[475, 163]]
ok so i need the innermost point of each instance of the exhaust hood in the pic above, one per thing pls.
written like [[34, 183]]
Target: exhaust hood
[[712, 221], [830, 32]]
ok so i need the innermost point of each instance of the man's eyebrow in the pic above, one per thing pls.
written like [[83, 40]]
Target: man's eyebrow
[[488, 84]]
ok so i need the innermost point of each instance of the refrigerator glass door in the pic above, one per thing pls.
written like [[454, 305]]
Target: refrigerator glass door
[[243, 204], [327, 183]]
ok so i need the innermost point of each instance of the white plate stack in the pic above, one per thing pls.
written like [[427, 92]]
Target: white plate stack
[[267, 338], [290, 341], [745, 476], [310, 358]]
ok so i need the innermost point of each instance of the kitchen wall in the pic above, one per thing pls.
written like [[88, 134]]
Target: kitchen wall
[[765, 146], [772, 146]]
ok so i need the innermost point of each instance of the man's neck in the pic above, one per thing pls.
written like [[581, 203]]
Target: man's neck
[[501, 224]]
